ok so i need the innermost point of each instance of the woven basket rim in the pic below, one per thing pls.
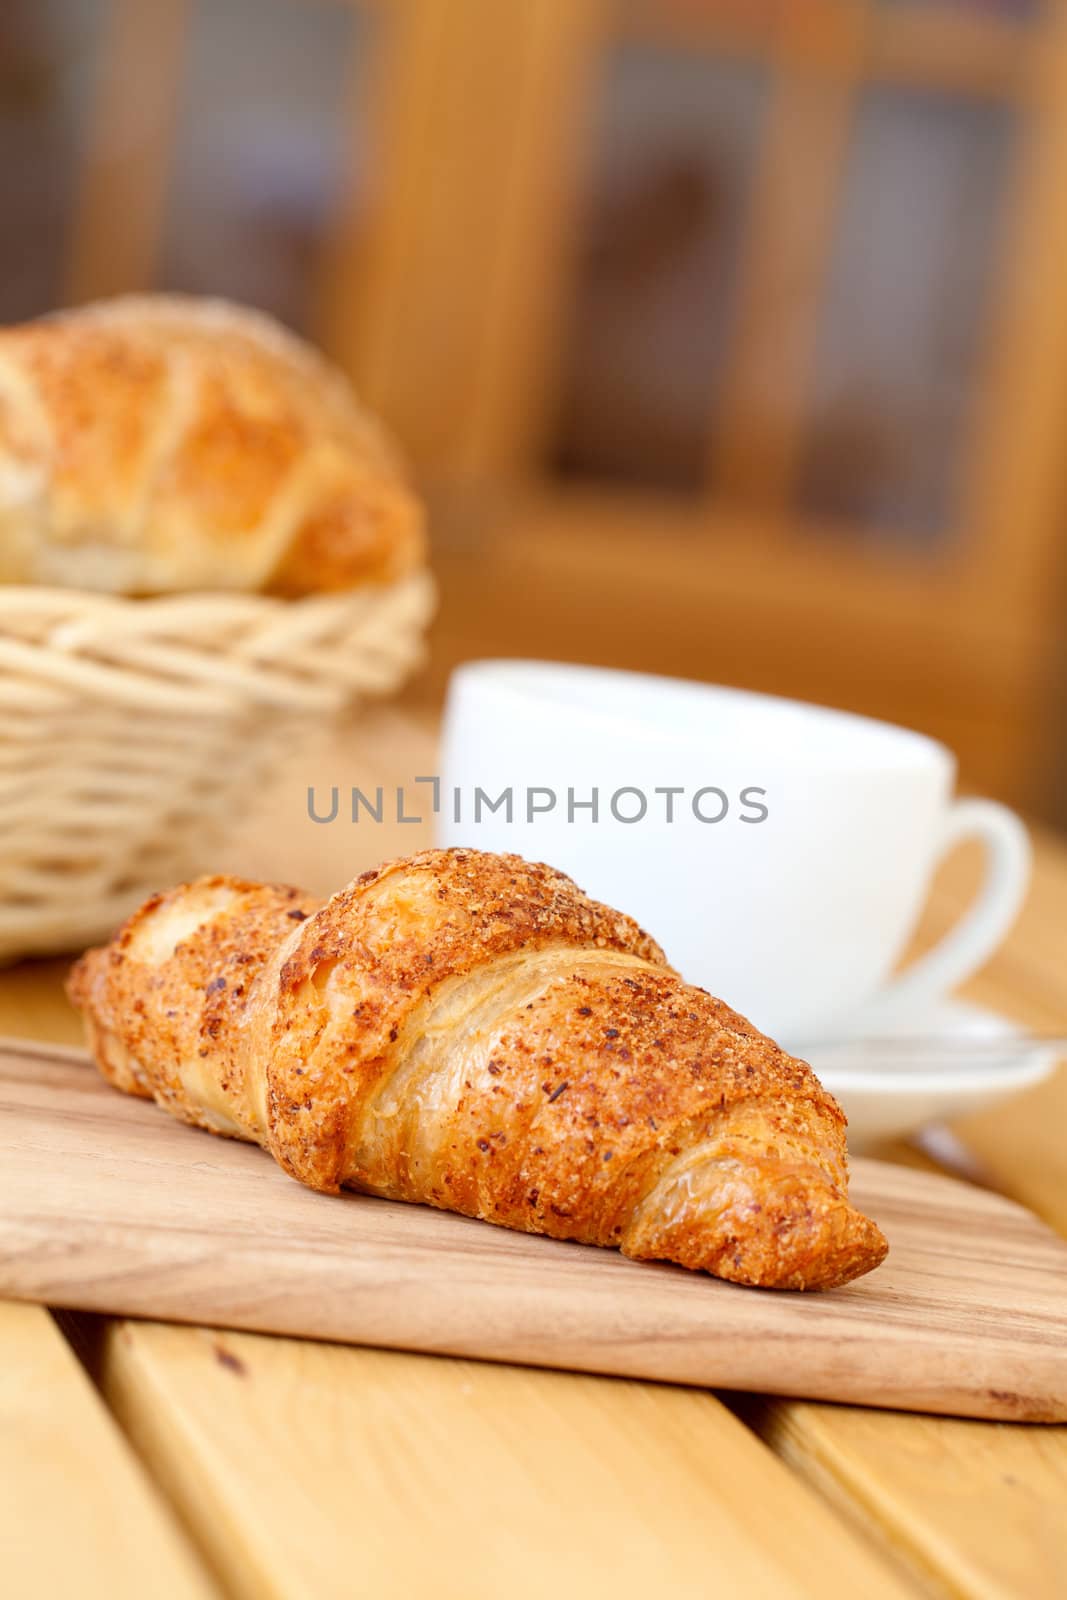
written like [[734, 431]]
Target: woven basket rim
[[210, 652]]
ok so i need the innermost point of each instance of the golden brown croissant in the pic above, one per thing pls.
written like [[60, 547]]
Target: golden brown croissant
[[155, 443], [471, 1031]]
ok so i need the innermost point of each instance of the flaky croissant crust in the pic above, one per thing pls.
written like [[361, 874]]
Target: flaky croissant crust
[[155, 443], [473, 1032]]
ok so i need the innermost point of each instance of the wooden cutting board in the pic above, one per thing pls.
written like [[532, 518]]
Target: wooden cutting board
[[107, 1204]]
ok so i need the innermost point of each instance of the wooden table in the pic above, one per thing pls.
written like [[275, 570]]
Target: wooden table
[[142, 1459]]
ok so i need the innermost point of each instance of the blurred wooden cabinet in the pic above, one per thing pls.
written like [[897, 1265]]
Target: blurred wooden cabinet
[[729, 335]]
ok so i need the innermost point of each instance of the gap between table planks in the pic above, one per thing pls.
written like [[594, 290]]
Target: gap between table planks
[[985, 1516]]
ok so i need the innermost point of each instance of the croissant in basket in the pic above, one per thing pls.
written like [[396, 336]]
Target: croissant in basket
[[157, 443], [208, 551], [471, 1031]]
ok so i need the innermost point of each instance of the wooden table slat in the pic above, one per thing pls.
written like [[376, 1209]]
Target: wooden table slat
[[316, 1470], [972, 1508], [77, 1514]]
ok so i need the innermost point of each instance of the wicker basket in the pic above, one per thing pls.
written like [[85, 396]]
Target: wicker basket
[[132, 730]]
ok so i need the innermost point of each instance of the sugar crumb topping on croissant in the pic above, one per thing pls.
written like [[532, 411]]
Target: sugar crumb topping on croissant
[[471, 1031]]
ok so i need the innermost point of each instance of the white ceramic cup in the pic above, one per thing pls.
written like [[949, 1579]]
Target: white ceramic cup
[[787, 870]]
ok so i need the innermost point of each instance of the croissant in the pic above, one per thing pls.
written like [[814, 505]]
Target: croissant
[[473, 1032], [156, 443]]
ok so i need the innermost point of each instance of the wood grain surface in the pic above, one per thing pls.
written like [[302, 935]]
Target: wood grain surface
[[968, 1508], [106, 1204], [77, 1514], [322, 1472]]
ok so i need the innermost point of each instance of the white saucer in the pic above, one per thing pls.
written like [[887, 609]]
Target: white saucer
[[950, 1059]]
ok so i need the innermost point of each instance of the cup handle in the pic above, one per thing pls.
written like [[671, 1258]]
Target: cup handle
[[973, 940]]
